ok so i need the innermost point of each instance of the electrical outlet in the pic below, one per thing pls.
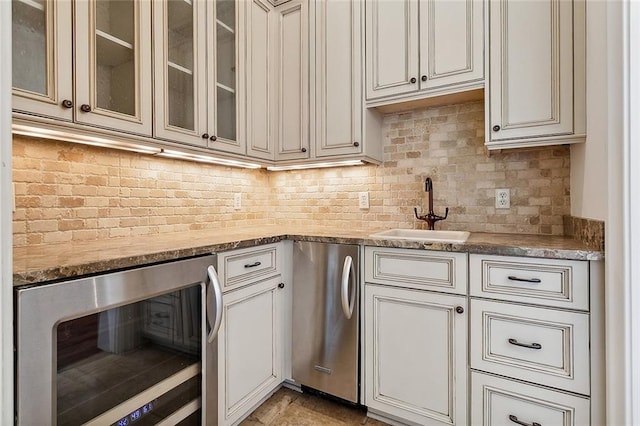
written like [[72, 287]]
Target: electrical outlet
[[363, 200], [503, 198], [237, 201]]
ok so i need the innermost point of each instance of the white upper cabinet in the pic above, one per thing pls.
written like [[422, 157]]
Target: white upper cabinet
[[42, 60], [113, 64], [226, 79], [536, 73], [260, 61], [423, 48], [292, 82], [337, 100], [180, 71]]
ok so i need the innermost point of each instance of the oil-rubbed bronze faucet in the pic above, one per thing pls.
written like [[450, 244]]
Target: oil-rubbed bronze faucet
[[431, 218]]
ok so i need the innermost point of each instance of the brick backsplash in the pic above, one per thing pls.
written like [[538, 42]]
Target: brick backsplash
[[66, 191], [447, 144]]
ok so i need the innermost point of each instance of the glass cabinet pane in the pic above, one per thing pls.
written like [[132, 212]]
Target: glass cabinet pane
[[115, 56], [180, 64], [29, 41], [226, 69]]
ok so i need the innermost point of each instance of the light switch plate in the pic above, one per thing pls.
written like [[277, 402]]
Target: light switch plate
[[237, 201], [363, 200]]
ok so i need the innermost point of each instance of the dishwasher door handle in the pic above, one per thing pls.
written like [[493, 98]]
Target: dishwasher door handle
[[216, 294], [348, 275]]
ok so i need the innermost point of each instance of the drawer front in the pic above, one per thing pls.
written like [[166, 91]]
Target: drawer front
[[419, 269], [240, 267], [544, 346], [498, 401], [549, 282]]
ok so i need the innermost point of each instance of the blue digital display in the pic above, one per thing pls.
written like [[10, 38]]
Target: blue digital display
[[135, 415]]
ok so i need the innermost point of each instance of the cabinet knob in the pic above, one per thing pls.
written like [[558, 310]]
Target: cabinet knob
[[67, 103], [205, 136], [413, 80], [281, 285], [459, 309], [356, 144], [423, 78], [304, 150], [213, 138], [85, 108], [496, 128]]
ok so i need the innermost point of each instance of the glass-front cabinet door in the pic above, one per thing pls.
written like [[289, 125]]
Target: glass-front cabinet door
[[180, 71], [225, 84], [113, 64], [41, 38]]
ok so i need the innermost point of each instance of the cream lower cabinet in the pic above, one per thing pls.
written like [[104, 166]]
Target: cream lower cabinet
[[251, 339], [415, 341]]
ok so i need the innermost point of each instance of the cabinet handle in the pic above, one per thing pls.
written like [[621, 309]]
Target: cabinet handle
[[85, 108], [252, 265], [304, 150], [67, 103], [356, 144], [525, 280], [413, 80], [213, 138], [515, 420], [281, 285], [525, 345], [423, 78], [459, 309], [205, 136], [496, 128]]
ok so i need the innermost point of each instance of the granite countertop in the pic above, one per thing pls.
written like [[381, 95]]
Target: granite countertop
[[55, 262]]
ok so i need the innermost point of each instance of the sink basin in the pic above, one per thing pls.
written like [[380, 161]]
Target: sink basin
[[423, 235]]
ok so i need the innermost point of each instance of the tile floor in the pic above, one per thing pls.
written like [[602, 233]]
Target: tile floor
[[290, 408]]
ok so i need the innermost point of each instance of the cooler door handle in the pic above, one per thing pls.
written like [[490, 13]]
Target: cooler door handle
[[216, 294]]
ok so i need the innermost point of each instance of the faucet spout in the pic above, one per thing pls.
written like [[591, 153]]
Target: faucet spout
[[431, 218]]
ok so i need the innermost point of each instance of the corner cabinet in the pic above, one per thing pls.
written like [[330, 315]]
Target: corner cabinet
[[535, 86], [423, 48], [415, 341]]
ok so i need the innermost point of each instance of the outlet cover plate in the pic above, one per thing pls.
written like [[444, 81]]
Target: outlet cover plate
[[503, 198], [363, 200], [237, 201]]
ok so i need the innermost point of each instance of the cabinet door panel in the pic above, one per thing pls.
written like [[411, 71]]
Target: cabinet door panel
[[531, 68], [250, 353], [451, 37], [415, 355], [338, 93], [41, 51], [259, 64], [113, 64], [293, 84], [180, 71], [392, 47]]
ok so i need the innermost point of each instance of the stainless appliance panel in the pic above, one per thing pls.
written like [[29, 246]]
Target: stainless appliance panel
[[40, 309], [326, 317]]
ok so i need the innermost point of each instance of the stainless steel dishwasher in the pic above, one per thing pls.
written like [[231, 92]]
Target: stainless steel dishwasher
[[326, 318]]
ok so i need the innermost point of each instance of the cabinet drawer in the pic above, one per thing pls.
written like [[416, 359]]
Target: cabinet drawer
[[544, 346], [240, 267], [419, 269], [549, 282], [498, 401]]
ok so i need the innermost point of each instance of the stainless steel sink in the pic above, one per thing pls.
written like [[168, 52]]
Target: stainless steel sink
[[423, 235]]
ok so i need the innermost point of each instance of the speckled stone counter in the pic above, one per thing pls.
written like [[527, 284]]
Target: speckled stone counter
[[55, 262]]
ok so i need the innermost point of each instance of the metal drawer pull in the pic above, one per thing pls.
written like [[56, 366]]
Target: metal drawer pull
[[526, 280], [515, 420], [253, 265], [525, 345]]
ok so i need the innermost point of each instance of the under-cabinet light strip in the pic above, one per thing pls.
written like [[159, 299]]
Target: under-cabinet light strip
[[168, 153], [316, 165]]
